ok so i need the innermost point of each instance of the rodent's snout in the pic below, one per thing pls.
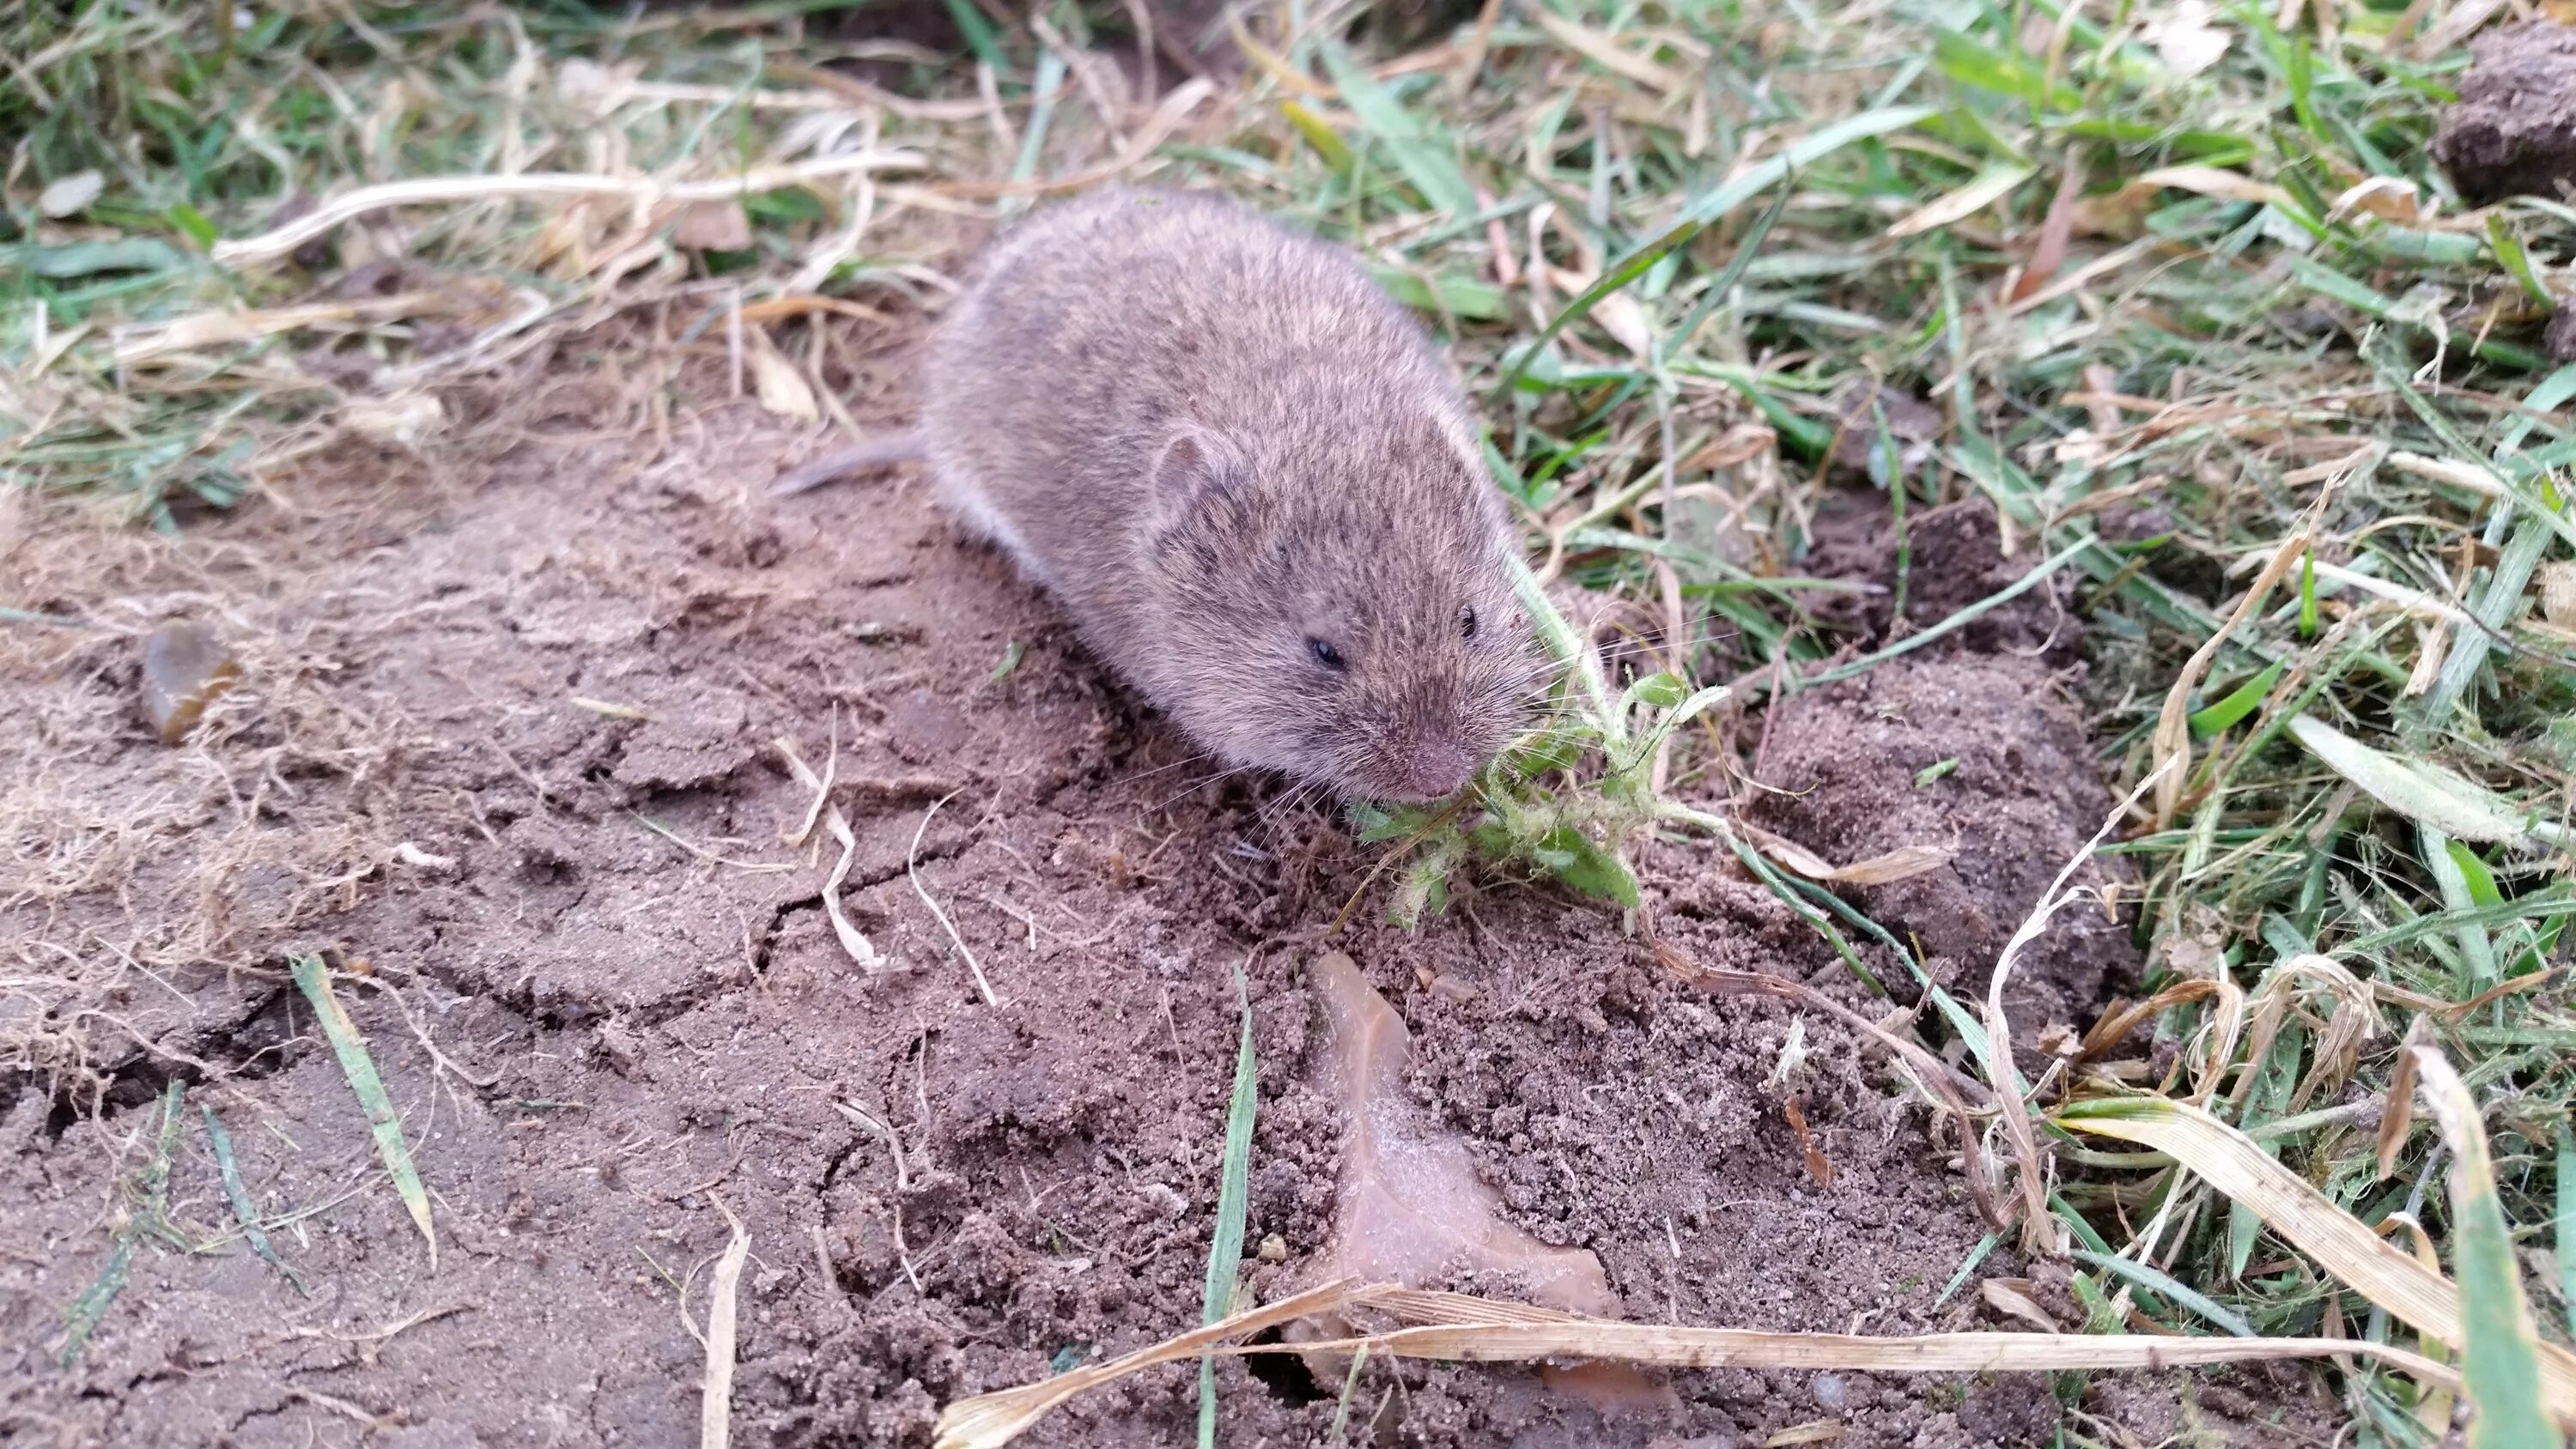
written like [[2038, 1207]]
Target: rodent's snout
[[1431, 769]]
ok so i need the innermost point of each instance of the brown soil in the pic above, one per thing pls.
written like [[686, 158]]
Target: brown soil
[[2514, 131], [1980, 754], [475, 683]]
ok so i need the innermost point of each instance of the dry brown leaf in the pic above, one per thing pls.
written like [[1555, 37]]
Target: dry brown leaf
[[1410, 1204], [2049, 253], [1819, 1166], [1903, 863]]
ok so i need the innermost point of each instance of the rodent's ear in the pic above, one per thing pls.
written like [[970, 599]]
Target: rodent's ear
[[1196, 467]]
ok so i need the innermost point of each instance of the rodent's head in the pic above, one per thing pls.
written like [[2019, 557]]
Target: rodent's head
[[1340, 610]]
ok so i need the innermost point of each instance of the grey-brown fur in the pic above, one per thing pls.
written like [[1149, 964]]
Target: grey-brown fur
[[1216, 440]]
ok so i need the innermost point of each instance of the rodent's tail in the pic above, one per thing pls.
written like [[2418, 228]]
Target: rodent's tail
[[904, 447]]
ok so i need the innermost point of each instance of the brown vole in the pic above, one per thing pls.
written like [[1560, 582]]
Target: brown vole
[[1247, 475]]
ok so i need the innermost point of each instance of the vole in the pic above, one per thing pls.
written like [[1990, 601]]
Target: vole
[[1247, 475]]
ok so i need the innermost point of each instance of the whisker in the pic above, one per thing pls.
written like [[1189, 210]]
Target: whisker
[[1200, 758], [1197, 786]]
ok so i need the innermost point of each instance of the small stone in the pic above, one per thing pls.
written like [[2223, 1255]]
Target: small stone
[[1832, 1393], [1274, 1249], [185, 666]]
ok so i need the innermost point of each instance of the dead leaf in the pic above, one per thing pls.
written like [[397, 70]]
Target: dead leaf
[[713, 226], [1996, 184], [71, 195], [2186, 39], [596, 89], [1903, 863], [398, 421], [2049, 253], [2209, 181], [782, 388], [2011, 1298], [1819, 1166], [2558, 589]]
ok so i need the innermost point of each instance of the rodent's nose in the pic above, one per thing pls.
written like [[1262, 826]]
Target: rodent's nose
[[1434, 768]]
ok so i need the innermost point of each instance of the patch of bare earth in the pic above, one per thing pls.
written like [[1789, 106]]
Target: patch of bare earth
[[488, 693]]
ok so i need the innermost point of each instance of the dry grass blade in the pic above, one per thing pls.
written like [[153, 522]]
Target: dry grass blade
[[1603, 51], [912, 872], [2342, 1244], [360, 1069], [2173, 722], [990, 1420], [715, 1406], [853, 941], [1967, 201], [1457, 1328], [2036, 1229], [1666, 1346], [641, 190], [2500, 1361], [1158, 128]]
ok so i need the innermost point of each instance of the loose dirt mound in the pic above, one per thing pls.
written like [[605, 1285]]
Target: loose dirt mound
[[2514, 131], [504, 750]]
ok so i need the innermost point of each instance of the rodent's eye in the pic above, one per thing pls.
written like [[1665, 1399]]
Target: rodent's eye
[[1466, 621], [1326, 655]]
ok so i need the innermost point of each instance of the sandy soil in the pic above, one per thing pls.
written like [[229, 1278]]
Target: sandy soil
[[504, 753]]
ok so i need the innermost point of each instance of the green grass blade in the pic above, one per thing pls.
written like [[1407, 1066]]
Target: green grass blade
[[1050, 83], [1467, 297], [981, 37], [2239, 703], [1976, 1255], [1225, 1253], [360, 1069], [2477, 953], [245, 1213], [2500, 1359], [1423, 160], [2502, 596], [1700, 214], [82, 1318], [2163, 1285]]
